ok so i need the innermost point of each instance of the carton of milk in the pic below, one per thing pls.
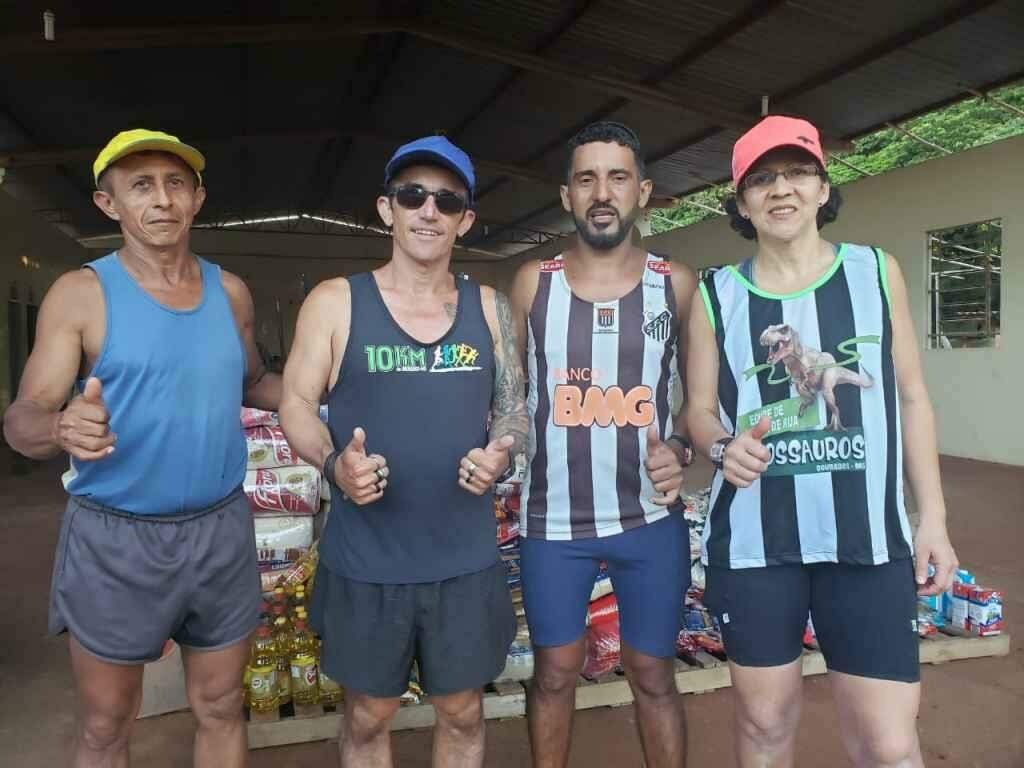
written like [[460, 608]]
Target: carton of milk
[[961, 598], [985, 611], [962, 576]]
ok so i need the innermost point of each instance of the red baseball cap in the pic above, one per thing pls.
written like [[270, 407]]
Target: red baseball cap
[[771, 133]]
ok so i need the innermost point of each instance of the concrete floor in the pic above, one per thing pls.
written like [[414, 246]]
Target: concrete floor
[[972, 712]]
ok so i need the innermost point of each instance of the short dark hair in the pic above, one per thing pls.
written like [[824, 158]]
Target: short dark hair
[[827, 213], [607, 131]]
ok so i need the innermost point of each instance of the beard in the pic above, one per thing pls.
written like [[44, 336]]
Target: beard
[[610, 237]]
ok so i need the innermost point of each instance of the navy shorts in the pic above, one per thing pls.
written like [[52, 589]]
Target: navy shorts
[[125, 583], [458, 631], [865, 616], [649, 568]]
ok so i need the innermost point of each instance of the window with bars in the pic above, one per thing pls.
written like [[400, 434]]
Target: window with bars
[[965, 265]]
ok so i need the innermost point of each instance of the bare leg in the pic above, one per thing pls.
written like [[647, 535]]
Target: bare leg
[[213, 680], [109, 696], [767, 701], [551, 701], [659, 713], [459, 733], [878, 721], [365, 737]]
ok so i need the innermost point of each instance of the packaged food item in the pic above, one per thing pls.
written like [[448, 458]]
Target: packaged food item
[[925, 622], [277, 533], [268, 448], [964, 577], [604, 642], [262, 690], [602, 586], [959, 615], [985, 611], [284, 490], [254, 417], [302, 571]]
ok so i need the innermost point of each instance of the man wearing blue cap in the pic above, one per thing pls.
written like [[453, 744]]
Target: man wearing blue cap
[[427, 408], [157, 540]]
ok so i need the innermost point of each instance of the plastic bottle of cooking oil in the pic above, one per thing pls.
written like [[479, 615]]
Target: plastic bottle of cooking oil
[[304, 671], [262, 672], [298, 600], [283, 640]]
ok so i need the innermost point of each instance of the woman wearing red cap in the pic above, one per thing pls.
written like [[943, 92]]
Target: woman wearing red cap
[[806, 391]]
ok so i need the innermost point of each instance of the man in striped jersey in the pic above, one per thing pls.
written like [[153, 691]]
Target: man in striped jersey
[[602, 343]]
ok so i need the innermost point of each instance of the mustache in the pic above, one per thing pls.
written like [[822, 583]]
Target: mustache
[[602, 207]]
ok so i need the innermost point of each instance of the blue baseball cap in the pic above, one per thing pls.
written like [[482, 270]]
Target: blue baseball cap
[[433, 150]]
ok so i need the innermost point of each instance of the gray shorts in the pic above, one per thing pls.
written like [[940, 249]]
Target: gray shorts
[[123, 584], [458, 631]]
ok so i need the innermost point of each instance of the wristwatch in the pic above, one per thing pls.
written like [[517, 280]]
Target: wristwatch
[[685, 445], [717, 452]]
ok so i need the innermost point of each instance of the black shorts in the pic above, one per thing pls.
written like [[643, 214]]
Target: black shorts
[[865, 616], [458, 631], [125, 583]]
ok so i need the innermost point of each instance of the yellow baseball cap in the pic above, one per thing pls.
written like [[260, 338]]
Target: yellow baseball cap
[[142, 140]]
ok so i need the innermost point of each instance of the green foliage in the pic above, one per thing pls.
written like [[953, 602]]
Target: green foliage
[[960, 126]]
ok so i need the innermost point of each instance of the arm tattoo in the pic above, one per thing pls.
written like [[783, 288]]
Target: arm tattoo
[[508, 407]]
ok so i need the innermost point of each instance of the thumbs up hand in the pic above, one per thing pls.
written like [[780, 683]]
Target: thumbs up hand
[[746, 457], [360, 476], [83, 428], [663, 468], [481, 467]]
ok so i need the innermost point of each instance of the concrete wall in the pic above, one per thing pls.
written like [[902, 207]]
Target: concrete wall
[[33, 254], [974, 390]]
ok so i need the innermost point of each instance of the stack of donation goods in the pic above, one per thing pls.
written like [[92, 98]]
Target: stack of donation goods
[[284, 494], [506, 512], [966, 607]]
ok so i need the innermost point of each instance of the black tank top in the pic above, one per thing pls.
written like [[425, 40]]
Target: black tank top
[[424, 407]]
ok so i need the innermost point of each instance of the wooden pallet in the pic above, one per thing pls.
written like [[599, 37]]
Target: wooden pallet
[[694, 674]]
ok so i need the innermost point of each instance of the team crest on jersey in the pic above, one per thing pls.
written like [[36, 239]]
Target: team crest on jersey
[[659, 326], [606, 319], [449, 358], [552, 265], [660, 266]]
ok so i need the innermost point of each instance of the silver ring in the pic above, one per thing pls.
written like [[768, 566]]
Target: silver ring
[[472, 468], [379, 473]]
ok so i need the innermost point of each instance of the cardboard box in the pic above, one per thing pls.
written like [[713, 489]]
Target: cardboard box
[[985, 611]]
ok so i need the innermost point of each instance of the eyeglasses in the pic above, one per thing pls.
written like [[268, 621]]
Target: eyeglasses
[[795, 174], [413, 196]]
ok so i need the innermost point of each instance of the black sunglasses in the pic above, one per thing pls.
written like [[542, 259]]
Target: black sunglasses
[[413, 196]]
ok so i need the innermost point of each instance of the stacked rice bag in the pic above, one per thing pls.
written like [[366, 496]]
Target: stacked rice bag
[[284, 493]]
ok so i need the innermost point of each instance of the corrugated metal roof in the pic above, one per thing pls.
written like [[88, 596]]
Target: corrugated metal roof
[[262, 105]]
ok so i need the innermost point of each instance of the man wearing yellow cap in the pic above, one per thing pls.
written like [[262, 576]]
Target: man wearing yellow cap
[[157, 540]]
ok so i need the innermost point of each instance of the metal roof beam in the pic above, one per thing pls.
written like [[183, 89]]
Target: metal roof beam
[[58, 156], [574, 15]]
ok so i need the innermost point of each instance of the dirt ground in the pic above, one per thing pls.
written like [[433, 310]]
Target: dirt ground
[[972, 713]]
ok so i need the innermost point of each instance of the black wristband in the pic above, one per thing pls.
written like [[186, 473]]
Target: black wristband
[[687, 448], [328, 467]]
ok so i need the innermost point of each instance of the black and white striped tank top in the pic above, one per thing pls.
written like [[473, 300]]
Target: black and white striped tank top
[[819, 364], [600, 375]]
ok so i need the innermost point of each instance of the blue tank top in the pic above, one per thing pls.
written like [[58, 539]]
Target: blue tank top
[[172, 381], [424, 407]]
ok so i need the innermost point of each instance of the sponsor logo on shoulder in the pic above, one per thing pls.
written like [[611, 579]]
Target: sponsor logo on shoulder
[[660, 266], [552, 265]]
